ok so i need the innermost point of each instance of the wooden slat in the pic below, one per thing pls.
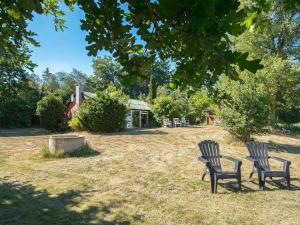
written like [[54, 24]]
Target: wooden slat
[[210, 151], [259, 152]]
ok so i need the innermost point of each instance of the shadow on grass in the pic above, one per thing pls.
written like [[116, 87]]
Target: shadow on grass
[[281, 184], [23, 132], [87, 151], [23, 204], [233, 187], [278, 184], [139, 131], [279, 147]]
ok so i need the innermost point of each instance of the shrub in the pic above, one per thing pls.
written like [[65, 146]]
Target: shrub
[[101, 114], [167, 107], [117, 93], [51, 111], [245, 110], [197, 103], [75, 123], [289, 115]]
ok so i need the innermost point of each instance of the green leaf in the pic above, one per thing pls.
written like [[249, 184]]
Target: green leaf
[[14, 13], [250, 19]]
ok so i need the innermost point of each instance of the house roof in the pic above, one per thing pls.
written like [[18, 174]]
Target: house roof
[[138, 104], [132, 103], [88, 94]]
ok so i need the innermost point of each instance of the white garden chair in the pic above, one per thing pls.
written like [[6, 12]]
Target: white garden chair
[[176, 122], [185, 122], [167, 123]]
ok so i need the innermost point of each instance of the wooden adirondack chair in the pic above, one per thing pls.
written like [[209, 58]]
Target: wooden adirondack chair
[[260, 158], [211, 158]]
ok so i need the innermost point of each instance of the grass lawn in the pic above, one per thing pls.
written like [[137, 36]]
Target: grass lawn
[[139, 177]]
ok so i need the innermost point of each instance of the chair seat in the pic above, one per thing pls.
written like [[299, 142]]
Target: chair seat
[[269, 173], [227, 174]]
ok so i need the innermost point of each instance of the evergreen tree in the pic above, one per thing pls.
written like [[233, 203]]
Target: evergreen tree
[[152, 88]]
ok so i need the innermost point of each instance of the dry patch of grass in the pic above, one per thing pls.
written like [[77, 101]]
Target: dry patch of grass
[[140, 177]]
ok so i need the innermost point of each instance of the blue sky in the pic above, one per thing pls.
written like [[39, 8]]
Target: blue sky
[[60, 51]]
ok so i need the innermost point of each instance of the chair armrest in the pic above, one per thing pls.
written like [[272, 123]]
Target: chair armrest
[[286, 163], [280, 159], [207, 164], [230, 158], [250, 159], [255, 162], [202, 159], [238, 163]]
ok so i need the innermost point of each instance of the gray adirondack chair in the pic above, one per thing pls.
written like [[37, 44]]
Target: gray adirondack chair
[[260, 158], [211, 158]]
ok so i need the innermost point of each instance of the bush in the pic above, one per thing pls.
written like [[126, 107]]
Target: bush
[[166, 107], [18, 110], [100, 114], [245, 110], [75, 123], [117, 93], [51, 111], [289, 115], [197, 103]]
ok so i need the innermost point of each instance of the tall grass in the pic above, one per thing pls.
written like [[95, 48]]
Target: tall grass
[[59, 153], [86, 151]]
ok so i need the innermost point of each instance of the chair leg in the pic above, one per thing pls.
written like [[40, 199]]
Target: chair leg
[[215, 185], [212, 183], [288, 181], [262, 183], [251, 174], [240, 183], [203, 175]]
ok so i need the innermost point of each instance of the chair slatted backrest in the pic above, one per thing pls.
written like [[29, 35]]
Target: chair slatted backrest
[[176, 120], [166, 122], [210, 151], [259, 152]]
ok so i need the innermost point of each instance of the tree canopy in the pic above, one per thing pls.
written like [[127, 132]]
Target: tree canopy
[[61, 83], [18, 95], [15, 34], [271, 95], [194, 34]]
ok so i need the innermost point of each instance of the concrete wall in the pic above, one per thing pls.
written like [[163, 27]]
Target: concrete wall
[[69, 143]]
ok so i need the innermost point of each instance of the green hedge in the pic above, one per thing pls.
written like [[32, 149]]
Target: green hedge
[[100, 114], [51, 111], [165, 107]]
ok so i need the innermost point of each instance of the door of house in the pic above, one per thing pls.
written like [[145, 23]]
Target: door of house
[[144, 118]]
